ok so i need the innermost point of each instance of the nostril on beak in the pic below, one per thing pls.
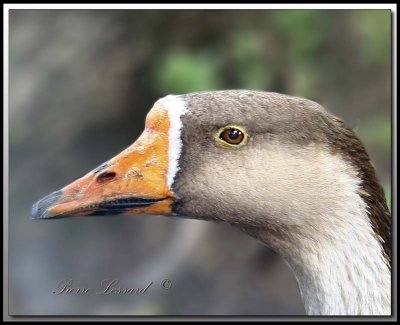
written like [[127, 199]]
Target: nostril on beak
[[105, 177]]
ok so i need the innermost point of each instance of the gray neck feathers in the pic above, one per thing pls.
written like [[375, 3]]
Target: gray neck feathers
[[339, 272], [341, 255], [344, 141]]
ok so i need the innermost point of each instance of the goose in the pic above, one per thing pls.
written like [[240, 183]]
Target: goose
[[280, 168]]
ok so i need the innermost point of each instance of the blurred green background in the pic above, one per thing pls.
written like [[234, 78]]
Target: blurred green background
[[81, 83]]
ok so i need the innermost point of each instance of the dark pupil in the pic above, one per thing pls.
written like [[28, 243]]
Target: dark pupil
[[234, 134]]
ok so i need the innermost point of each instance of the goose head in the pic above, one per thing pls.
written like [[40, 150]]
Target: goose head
[[280, 168]]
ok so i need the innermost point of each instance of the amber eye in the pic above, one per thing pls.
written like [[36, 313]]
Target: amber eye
[[232, 136]]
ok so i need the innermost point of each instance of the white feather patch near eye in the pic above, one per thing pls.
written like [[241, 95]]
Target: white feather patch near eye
[[176, 107]]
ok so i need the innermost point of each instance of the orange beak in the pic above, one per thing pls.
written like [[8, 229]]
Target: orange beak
[[133, 182]]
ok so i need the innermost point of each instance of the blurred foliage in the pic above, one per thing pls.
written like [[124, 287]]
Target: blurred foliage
[[298, 27], [375, 132], [375, 31], [181, 72], [247, 55]]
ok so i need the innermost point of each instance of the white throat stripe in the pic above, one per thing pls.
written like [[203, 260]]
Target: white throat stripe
[[176, 107]]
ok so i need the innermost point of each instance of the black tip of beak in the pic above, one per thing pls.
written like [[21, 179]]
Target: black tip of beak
[[40, 209]]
